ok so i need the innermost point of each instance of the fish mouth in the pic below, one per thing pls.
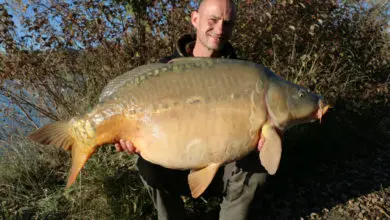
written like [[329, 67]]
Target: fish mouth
[[323, 108]]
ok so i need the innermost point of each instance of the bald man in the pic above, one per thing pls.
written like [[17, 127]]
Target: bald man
[[236, 182]]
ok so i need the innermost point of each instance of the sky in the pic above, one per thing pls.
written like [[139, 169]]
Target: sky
[[19, 12]]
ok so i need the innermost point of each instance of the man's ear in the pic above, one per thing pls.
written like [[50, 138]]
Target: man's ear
[[195, 19]]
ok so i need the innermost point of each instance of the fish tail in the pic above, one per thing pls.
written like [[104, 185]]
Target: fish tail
[[68, 136], [57, 133]]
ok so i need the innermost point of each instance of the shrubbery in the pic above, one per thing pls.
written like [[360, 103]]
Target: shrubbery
[[57, 66]]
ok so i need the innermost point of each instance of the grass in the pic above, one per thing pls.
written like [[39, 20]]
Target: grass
[[33, 178], [335, 170]]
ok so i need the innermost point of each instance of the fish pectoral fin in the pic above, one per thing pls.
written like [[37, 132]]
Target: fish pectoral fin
[[270, 147], [80, 155], [200, 179]]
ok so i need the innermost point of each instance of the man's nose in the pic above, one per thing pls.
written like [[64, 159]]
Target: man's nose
[[218, 28]]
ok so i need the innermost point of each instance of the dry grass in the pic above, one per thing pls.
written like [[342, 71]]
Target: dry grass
[[33, 178], [334, 170]]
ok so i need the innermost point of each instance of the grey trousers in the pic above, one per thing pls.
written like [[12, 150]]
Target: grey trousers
[[236, 183]]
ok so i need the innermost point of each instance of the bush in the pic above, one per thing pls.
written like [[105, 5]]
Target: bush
[[56, 68]]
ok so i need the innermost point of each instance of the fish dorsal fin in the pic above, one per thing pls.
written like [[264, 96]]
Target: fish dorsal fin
[[210, 61], [270, 146], [189, 59], [200, 179], [127, 77]]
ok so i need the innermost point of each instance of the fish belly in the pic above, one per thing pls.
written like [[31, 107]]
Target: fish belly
[[195, 136]]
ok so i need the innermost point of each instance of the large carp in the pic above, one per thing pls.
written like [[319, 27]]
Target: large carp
[[191, 113]]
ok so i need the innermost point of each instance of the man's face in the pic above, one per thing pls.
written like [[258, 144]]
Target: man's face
[[214, 23]]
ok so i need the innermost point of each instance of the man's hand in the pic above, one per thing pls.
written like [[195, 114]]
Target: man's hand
[[125, 145]]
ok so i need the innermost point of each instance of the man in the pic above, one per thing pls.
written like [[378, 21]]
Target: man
[[237, 181]]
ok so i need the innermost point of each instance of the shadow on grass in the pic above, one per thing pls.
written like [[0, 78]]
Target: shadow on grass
[[127, 197], [326, 164]]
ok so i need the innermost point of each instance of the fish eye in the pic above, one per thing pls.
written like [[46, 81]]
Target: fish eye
[[301, 93]]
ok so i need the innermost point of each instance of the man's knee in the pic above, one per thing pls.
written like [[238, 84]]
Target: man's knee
[[241, 185], [242, 178]]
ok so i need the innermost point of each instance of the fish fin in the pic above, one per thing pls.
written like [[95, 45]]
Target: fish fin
[[270, 146], [80, 155], [56, 133], [200, 179]]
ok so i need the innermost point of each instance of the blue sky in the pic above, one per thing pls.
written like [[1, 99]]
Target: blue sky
[[18, 14]]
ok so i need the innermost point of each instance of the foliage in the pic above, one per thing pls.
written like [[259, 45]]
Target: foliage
[[339, 50], [54, 65]]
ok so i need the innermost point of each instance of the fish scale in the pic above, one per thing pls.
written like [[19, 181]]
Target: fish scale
[[191, 113]]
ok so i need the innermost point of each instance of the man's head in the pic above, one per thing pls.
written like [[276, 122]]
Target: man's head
[[214, 23]]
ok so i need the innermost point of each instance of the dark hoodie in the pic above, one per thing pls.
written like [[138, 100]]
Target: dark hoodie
[[185, 46]]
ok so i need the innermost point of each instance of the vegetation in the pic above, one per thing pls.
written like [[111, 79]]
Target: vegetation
[[56, 62]]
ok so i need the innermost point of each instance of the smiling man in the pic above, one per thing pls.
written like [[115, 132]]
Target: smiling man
[[214, 23], [237, 182]]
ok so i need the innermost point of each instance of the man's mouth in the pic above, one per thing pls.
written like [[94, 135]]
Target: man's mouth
[[216, 38]]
